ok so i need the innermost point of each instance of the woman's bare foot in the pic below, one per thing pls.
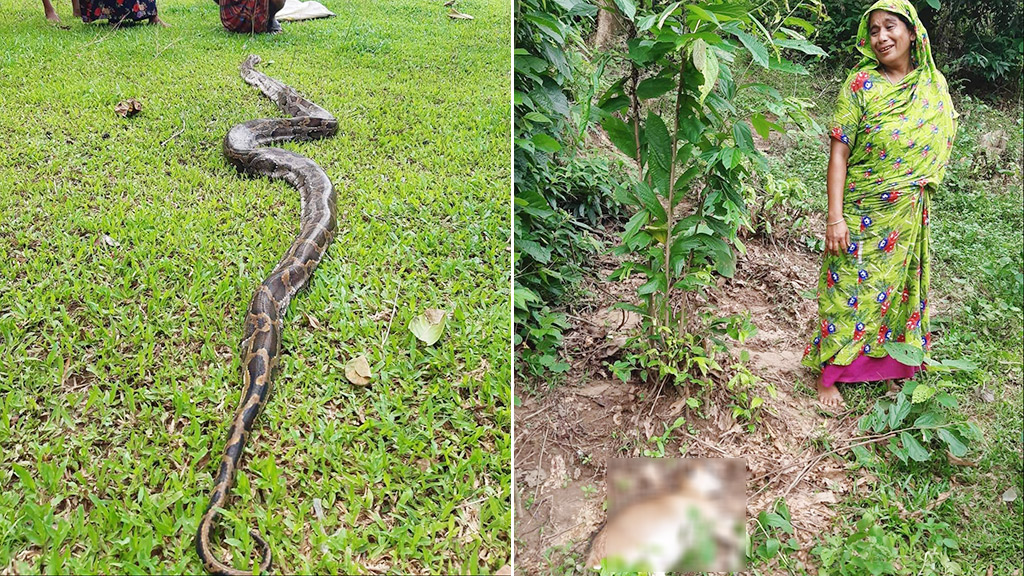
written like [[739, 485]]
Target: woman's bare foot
[[829, 396], [894, 387], [52, 16], [156, 21]]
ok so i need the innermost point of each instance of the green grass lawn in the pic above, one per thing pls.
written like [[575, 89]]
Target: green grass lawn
[[119, 366]]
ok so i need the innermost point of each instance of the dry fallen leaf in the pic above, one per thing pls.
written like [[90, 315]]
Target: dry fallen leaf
[[358, 371], [128, 108], [456, 15], [313, 322], [104, 240], [428, 326], [1010, 495]]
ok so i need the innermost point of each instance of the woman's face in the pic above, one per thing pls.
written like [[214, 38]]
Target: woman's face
[[890, 39]]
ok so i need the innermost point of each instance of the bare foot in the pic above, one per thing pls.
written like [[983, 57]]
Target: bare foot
[[829, 396], [156, 21], [894, 387], [52, 16]]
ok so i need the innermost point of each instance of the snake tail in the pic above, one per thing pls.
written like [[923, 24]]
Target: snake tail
[[246, 147]]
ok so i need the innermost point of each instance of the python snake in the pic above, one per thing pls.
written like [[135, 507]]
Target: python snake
[[245, 148]]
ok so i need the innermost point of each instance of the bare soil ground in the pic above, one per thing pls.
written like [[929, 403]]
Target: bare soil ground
[[565, 436]]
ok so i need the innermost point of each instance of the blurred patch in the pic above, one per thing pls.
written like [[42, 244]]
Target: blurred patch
[[673, 515]]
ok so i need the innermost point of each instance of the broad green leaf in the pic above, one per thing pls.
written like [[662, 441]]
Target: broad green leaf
[[922, 392], [904, 353], [742, 136], [534, 250], [659, 143], [898, 411], [955, 443], [627, 8], [723, 256], [936, 4], [621, 134], [691, 128], [946, 400], [950, 365], [700, 13], [914, 448], [778, 521], [801, 45], [651, 202], [807, 27], [762, 125], [638, 221], [900, 452], [668, 12], [545, 143], [429, 326], [656, 283], [929, 420], [754, 46], [654, 87]]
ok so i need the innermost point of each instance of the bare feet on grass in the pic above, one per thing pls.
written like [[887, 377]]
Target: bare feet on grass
[[829, 396], [156, 21]]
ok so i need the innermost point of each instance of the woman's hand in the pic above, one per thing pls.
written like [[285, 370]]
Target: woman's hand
[[837, 238]]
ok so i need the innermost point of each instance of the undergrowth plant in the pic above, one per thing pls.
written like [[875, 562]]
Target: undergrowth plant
[[673, 112]]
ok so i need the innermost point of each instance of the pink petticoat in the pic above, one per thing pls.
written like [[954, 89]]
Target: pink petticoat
[[868, 369]]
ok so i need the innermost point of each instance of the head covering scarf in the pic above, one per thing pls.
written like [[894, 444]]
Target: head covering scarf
[[900, 137]]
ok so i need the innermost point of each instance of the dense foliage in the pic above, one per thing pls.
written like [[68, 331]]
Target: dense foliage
[[976, 43]]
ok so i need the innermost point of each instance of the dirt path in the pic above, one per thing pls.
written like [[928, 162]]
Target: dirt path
[[564, 438]]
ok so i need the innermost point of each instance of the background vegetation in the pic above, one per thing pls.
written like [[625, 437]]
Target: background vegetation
[[129, 250]]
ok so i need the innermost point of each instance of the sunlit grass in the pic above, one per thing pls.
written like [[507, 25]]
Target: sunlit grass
[[119, 360]]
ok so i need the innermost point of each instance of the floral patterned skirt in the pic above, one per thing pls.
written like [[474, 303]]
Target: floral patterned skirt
[[877, 292], [117, 10]]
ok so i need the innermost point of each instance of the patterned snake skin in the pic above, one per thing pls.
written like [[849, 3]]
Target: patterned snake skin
[[261, 345]]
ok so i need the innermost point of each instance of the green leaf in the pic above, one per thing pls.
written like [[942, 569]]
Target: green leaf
[[627, 8], [691, 128], [429, 326], [914, 449], [783, 65], [922, 392], [659, 143], [934, 4], [894, 447], [754, 46], [777, 521], [898, 411], [651, 202], [706, 62], [545, 143], [772, 546], [801, 45], [929, 419], [951, 365], [654, 87], [621, 134], [25, 477], [723, 256], [953, 441], [904, 353], [742, 136], [761, 125]]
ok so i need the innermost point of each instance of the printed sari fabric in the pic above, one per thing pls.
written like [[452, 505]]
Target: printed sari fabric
[[117, 10], [900, 138], [245, 16]]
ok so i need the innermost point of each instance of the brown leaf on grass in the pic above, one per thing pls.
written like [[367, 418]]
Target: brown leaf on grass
[[456, 15], [128, 108], [313, 322], [358, 371]]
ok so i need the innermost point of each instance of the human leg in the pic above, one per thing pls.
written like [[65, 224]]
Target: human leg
[[50, 13], [273, 26]]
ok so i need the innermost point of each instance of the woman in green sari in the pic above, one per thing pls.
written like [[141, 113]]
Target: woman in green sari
[[891, 139]]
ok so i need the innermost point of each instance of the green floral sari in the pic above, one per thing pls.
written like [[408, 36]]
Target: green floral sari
[[900, 138]]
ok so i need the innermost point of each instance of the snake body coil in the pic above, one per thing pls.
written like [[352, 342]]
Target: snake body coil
[[244, 147]]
